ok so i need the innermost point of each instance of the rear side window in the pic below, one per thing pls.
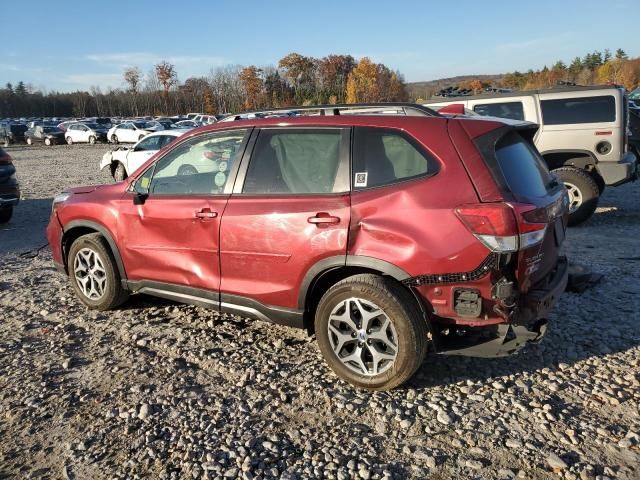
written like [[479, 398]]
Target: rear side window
[[523, 169], [382, 157], [512, 110], [295, 162], [579, 110]]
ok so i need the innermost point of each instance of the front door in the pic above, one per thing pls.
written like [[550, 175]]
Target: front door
[[290, 209], [172, 237]]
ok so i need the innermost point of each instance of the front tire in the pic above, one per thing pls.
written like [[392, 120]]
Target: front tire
[[6, 214], [92, 140], [371, 332], [114, 139], [69, 141], [583, 193], [47, 142], [140, 137], [29, 141], [93, 273]]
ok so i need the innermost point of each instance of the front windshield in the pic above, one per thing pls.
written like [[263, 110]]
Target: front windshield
[[139, 124]]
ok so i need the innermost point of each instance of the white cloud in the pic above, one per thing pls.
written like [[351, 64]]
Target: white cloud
[[86, 80], [130, 59]]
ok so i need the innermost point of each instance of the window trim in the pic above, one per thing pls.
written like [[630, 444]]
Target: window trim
[[413, 141], [200, 136], [343, 161]]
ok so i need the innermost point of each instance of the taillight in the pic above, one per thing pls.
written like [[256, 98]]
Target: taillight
[[5, 158], [504, 228]]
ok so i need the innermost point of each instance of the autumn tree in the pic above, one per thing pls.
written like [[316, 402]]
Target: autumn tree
[[300, 73], [334, 71], [362, 83], [167, 76], [253, 86]]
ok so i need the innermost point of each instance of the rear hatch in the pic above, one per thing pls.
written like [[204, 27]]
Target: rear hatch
[[537, 199]]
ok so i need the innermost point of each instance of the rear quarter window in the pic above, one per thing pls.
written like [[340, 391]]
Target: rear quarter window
[[579, 110], [523, 169]]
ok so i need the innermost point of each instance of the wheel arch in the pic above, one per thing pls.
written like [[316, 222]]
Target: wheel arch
[[329, 271], [569, 158], [77, 229]]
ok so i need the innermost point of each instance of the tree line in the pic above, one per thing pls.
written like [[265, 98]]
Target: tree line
[[295, 80], [595, 68]]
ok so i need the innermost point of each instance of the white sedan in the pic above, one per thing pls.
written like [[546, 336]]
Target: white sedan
[[125, 160], [128, 132]]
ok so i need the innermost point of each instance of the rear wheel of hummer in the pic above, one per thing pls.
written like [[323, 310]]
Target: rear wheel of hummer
[[93, 273], [583, 193], [371, 332]]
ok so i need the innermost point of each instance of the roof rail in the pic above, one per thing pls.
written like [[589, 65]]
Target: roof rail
[[383, 108]]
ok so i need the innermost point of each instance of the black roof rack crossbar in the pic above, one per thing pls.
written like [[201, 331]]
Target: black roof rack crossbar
[[402, 108]]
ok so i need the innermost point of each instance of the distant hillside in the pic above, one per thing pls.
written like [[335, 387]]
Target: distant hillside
[[426, 89]]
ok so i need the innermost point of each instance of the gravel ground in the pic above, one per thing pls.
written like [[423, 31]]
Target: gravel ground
[[160, 390]]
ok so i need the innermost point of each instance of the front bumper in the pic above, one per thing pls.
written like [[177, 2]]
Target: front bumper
[[528, 323], [617, 173]]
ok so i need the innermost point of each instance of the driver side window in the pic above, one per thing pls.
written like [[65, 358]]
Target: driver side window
[[199, 166]]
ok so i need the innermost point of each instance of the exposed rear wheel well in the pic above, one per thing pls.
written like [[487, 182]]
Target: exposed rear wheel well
[[569, 159], [325, 280]]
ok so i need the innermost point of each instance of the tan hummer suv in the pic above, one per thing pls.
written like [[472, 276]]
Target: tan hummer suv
[[583, 136]]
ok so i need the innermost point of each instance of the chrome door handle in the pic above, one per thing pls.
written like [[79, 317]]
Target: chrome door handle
[[323, 219], [206, 213]]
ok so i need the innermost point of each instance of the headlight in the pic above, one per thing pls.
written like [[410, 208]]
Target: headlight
[[60, 198]]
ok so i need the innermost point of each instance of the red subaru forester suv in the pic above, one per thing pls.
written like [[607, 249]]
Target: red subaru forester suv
[[383, 234]]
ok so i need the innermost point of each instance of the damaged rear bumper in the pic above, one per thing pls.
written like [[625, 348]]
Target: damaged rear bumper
[[528, 323]]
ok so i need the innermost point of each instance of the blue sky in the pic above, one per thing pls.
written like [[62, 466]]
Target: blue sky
[[73, 44]]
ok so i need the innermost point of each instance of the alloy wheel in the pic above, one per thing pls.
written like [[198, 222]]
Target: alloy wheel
[[362, 336], [575, 197], [90, 274]]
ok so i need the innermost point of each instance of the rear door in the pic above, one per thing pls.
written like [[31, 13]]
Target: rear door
[[290, 209]]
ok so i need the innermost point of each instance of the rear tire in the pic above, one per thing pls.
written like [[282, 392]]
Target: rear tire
[[92, 140], [29, 141], [583, 193], [114, 139], [93, 273], [140, 137], [47, 142], [5, 214], [119, 173], [69, 141], [6, 142], [395, 331]]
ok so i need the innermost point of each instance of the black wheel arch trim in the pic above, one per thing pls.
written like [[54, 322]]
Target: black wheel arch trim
[[331, 263], [570, 151], [107, 236]]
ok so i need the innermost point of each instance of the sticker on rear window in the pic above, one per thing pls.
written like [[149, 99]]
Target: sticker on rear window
[[360, 180]]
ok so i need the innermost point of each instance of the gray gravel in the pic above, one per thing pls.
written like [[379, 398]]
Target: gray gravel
[[161, 390]]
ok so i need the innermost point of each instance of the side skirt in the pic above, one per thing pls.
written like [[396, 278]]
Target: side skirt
[[233, 304]]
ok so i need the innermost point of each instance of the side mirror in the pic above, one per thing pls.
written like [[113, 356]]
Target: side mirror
[[139, 198]]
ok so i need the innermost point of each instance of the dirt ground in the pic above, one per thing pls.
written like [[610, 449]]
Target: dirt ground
[[161, 390]]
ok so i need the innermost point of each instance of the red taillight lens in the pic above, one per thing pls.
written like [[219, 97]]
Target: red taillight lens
[[5, 158], [505, 228], [489, 219]]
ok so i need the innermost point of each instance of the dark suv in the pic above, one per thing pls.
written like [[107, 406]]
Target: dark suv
[[11, 133], [9, 189], [382, 233]]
